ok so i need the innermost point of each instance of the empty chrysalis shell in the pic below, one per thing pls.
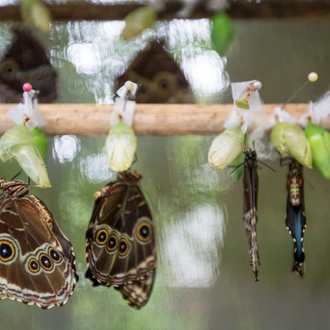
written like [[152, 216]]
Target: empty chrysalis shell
[[319, 140], [17, 143], [137, 21], [290, 138], [226, 147], [121, 146]]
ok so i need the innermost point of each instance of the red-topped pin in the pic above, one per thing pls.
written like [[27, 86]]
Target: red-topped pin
[[27, 87]]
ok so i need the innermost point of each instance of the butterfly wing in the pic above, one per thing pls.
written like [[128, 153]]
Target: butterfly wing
[[25, 60], [251, 185], [120, 241], [138, 292], [295, 214], [37, 264], [296, 223], [159, 77]]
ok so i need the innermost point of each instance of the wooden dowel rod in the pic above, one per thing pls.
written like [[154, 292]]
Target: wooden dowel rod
[[149, 119], [82, 10]]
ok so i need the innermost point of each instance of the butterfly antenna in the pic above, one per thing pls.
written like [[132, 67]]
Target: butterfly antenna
[[259, 161], [312, 77], [237, 167], [15, 176]]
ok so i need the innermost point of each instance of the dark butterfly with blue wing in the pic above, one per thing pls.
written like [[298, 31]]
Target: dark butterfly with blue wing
[[37, 263], [120, 244], [295, 214], [251, 185]]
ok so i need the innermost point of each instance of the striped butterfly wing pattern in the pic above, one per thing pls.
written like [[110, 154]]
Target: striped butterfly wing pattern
[[251, 184], [295, 211], [37, 263], [120, 244]]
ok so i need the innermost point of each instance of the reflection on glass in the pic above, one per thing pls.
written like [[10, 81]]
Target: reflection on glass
[[85, 56], [95, 167], [205, 72], [206, 178], [186, 32], [99, 56], [5, 3], [191, 246], [65, 148]]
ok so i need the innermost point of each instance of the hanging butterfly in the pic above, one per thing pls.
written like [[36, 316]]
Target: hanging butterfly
[[120, 244], [159, 77], [25, 60], [295, 214], [251, 185], [37, 263]]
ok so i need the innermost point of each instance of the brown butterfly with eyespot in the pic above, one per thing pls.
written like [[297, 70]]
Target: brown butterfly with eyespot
[[25, 60], [159, 77], [37, 263], [120, 243]]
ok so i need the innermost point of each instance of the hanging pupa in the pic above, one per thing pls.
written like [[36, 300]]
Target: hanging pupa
[[226, 147], [137, 21], [319, 140], [318, 137], [121, 146], [121, 141], [37, 14], [19, 143], [289, 138]]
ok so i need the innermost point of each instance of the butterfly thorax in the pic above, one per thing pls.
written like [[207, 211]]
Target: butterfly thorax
[[130, 178], [15, 189]]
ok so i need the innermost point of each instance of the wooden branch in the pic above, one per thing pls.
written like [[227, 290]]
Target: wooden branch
[[149, 119], [238, 9]]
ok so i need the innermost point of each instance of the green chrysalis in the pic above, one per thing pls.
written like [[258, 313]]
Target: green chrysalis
[[17, 143], [290, 138], [222, 32], [36, 13], [319, 140], [137, 21]]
